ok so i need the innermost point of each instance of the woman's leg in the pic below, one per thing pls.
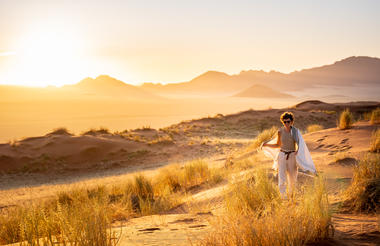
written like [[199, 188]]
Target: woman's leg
[[282, 174], [291, 172]]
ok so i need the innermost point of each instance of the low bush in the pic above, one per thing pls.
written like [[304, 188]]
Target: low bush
[[345, 119]]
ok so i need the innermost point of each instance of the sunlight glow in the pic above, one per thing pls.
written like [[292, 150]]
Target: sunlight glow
[[48, 58]]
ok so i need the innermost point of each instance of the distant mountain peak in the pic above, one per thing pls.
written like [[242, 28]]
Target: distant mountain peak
[[101, 80], [357, 60], [262, 91], [211, 75]]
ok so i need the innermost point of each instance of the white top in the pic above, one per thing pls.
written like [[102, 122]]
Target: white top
[[303, 157]]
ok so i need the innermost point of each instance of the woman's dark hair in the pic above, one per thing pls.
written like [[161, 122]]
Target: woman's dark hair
[[287, 115]]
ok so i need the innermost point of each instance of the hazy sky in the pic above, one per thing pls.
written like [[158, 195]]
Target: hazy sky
[[57, 42]]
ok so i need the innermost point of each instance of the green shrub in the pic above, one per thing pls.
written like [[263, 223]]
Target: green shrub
[[345, 119], [314, 128]]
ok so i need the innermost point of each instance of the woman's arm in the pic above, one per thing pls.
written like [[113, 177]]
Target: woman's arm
[[276, 145]]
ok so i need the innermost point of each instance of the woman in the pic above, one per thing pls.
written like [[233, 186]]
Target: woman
[[292, 150]]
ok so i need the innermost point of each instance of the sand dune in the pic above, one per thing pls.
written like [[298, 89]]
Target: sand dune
[[99, 152]]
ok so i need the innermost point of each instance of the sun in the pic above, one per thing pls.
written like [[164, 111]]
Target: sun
[[48, 57]]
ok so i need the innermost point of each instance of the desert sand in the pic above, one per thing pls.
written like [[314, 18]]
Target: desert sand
[[38, 167]]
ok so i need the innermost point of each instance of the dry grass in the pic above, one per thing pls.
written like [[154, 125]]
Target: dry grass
[[264, 136], [261, 218], [363, 195], [94, 132], [167, 139], [375, 116], [375, 141], [256, 193], [84, 220], [176, 178], [345, 120], [314, 128], [83, 215]]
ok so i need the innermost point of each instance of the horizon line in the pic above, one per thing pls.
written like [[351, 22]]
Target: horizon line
[[138, 84]]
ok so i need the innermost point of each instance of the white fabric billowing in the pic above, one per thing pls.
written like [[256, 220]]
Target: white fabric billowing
[[303, 157]]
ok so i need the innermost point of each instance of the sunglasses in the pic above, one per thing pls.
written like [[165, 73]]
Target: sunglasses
[[287, 121]]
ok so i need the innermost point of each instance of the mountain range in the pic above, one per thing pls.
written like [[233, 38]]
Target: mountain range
[[356, 72], [352, 71]]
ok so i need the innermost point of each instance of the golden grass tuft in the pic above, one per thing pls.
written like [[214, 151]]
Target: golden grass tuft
[[256, 193], [375, 141], [314, 128], [264, 136], [375, 116], [345, 120], [363, 195], [94, 132], [272, 221], [176, 178]]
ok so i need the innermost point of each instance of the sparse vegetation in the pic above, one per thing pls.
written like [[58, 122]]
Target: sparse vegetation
[[94, 132], [260, 218], [375, 141], [314, 128], [363, 195], [329, 112], [375, 116], [345, 119], [83, 216], [167, 139]]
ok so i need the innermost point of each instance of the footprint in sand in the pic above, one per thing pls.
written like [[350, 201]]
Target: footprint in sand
[[346, 147], [187, 220], [320, 146], [197, 226], [344, 141], [149, 230]]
